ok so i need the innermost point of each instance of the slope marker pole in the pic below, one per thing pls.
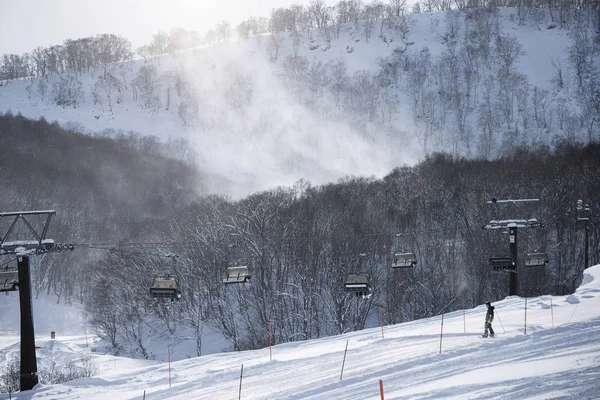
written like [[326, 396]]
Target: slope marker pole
[[381, 321], [241, 374], [169, 359], [552, 311], [441, 333], [270, 342], [464, 316], [573, 313], [499, 320], [525, 315], [381, 389], [344, 362]]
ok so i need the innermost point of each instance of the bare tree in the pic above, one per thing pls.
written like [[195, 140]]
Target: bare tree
[[274, 46]]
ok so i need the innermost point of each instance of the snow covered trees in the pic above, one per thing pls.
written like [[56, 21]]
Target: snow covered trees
[[300, 242]]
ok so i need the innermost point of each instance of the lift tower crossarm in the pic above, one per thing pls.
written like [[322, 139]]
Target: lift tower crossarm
[[513, 223], [39, 237]]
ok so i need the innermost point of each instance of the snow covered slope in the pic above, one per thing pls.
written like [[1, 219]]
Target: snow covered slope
[[249, 123], [557, 357]]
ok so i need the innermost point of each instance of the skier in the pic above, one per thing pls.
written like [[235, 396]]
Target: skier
[[489, 317]]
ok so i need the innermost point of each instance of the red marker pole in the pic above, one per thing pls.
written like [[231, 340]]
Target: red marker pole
[[381, 389]]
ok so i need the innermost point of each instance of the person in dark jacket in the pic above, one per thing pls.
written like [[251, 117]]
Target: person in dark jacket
[[489, 317]]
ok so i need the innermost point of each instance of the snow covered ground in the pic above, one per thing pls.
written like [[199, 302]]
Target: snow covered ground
[[558, 356]]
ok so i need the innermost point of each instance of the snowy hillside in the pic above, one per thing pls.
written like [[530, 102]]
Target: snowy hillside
[[556, 357], [320, 105]]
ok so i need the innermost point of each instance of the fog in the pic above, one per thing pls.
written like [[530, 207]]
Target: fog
[[254, 132]]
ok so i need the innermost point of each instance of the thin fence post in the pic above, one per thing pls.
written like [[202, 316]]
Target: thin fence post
[[525, 315], [381, 389], [144, 398], [344, 362], [552, 311], [169, 358], [441, 333], [270, 341], [381, 321], [573, 313], [499, 320], [464, 316], [241, 374]]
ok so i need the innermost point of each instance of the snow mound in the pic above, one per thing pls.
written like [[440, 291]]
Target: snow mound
[[591, 277], [571, 299]]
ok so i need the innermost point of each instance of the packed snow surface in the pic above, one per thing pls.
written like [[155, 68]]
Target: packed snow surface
[[545, 347]]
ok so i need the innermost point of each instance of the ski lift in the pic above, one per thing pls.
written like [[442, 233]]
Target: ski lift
[[358, 284], [501, 261], [404, 260], [536, 260], [165, 288], [236, 274], [9, 281]]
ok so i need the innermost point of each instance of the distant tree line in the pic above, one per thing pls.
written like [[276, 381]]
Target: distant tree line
[[80, 55], [101, 187], [302, 242], [143, 197], [75, 56]]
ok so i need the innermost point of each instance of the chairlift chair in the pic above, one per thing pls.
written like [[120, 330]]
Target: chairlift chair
[[9, 281], [236, 274], [165, 288], [536, 260], [404, 260], [358, 284], [501, 261]]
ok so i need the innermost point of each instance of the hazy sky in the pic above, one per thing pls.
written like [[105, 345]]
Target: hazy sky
[[26, 24]]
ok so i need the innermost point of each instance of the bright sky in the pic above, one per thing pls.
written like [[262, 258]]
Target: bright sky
[[26, 24]]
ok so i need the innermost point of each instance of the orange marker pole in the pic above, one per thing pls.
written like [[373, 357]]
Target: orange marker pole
[[381, 389]]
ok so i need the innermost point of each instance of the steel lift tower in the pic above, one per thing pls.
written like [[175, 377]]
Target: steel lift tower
[[23, 249], [512, 226]]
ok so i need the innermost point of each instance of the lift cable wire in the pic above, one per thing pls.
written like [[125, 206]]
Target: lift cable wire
[[123, 251]]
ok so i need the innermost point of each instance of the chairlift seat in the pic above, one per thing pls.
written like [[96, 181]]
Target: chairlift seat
[[9, 281], [404, 260], [237, 274], [165, 288], [501, 261], [536, 260], [357, 283]]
